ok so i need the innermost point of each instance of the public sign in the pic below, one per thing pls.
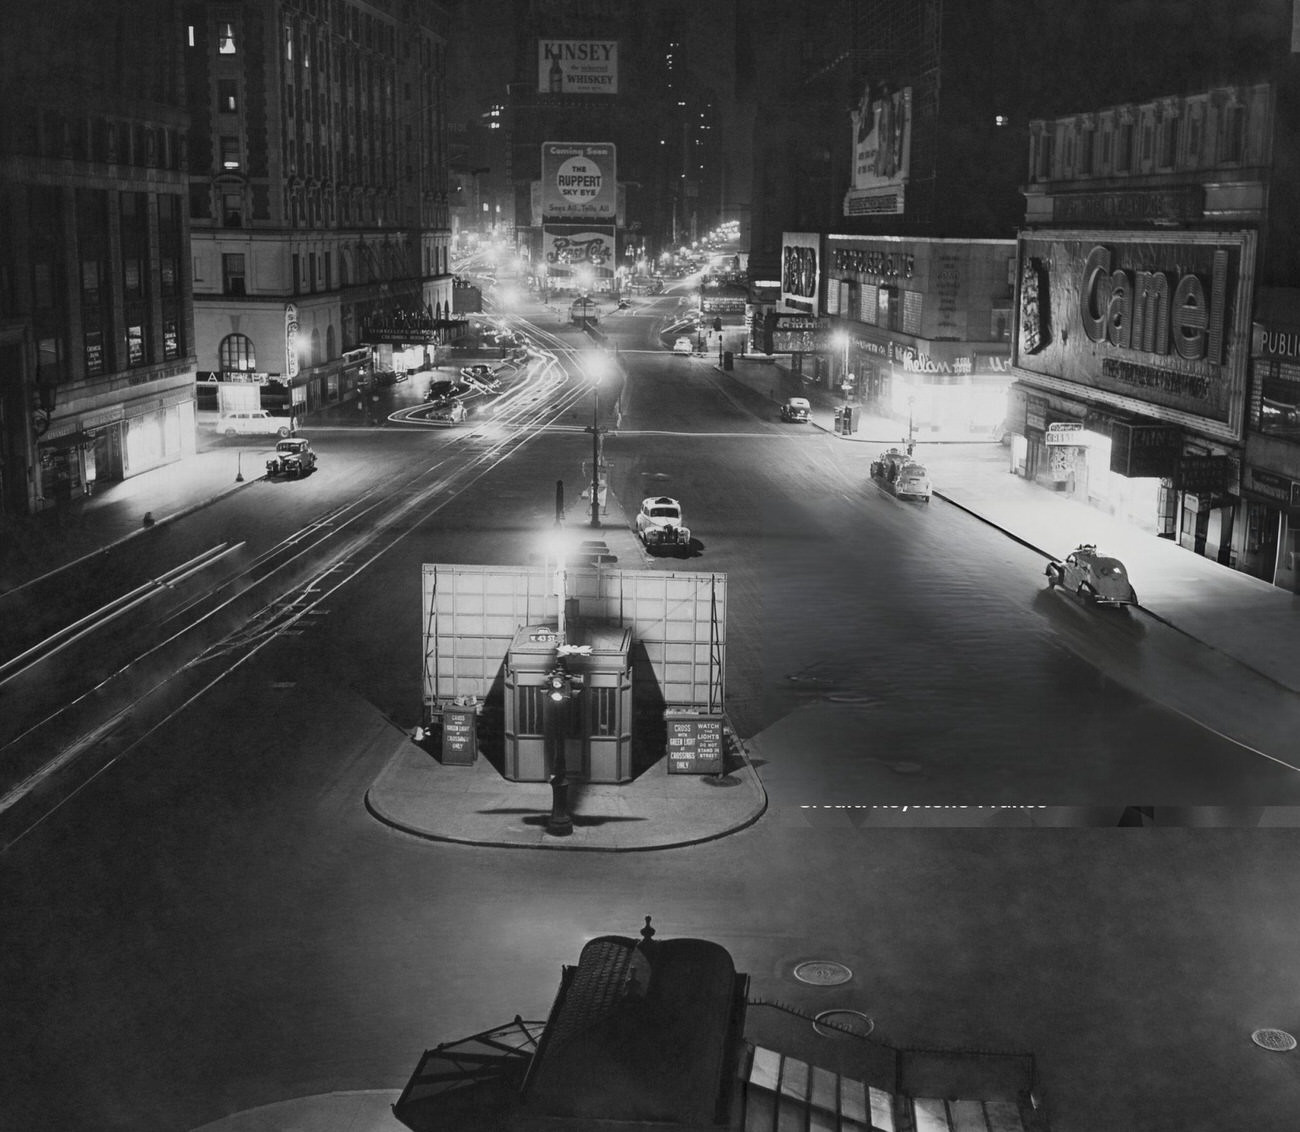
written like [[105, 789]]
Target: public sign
[[579, 181], [694, 743], [457, 737], [1065, 432]]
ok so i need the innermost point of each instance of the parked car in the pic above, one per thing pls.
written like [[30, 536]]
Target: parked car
[[683, 345], [257, 422], [293, 459], [796, 410], [1094, 576], [659, 523]]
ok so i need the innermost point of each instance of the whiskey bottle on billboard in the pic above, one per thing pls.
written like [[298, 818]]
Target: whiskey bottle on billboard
[[556, 75]]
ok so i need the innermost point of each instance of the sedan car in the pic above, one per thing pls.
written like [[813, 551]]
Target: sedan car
[[797, 410], [1094, 576], [683, 345], [293, 459]]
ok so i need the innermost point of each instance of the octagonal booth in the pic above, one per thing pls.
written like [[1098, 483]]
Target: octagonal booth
[[596, 723]]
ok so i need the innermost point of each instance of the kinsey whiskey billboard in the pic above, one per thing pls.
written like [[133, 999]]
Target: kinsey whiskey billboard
[[1140, 318]]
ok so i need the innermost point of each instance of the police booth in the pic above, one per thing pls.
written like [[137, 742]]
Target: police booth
[[595, 719]]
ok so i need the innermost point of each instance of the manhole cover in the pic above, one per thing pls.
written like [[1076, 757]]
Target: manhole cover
[[1278, 1040], [843, 1024], [822, 973]]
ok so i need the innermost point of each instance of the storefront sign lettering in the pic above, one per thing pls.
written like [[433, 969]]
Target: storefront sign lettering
[[1135, 310], [1279, 344], [874, 261]]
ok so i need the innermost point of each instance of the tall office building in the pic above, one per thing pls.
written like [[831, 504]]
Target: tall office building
[[96, 335], [317, 193]]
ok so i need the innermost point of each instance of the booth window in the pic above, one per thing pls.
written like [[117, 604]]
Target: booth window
[[532, 704], [604, 711]]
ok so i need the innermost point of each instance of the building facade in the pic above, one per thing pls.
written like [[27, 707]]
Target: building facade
[[317, 194], [96, 330], [1154, 354]]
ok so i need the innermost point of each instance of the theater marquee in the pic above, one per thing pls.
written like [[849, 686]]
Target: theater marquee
[[1140, 319]]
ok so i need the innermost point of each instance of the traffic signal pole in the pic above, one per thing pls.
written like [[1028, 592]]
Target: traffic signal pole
[[559, 695]]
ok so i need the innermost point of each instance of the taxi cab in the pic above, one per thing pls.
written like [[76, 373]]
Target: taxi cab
[[1094, 576], [902, 476]]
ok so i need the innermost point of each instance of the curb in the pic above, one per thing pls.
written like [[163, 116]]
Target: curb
[[1275, 681], [754, 781], [104, 548]]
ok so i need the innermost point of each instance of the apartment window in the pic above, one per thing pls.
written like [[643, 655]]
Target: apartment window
[[1046, 155], [1124, 148], [227, 96], [169, 275], [1168, 143], [329, 271], [43, 285], [91, 280], [232, 209], [236, 353], [311, 271], [135, 344], [1234, 133], [132, 279], [94, 351], [171, 338], [1194, 140], [1085, 150], [49, 357], [288, 42], [297, 273], [230, 153], [232, 274], [226, 38]]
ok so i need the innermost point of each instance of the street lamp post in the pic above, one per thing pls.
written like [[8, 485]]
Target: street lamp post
[[558, 823], [595, 452]]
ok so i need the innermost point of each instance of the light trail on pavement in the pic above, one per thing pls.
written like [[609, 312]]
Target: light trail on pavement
[[365, 519]]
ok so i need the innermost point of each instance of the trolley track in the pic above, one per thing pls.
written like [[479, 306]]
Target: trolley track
[[52, 750]]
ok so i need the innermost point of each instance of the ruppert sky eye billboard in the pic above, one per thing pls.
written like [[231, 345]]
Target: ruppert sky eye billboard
[[579, 181]]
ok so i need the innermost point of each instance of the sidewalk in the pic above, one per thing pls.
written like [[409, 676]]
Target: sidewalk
[[1243, 617]]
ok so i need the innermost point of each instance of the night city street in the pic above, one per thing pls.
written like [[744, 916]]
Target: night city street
[[718, 567]]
